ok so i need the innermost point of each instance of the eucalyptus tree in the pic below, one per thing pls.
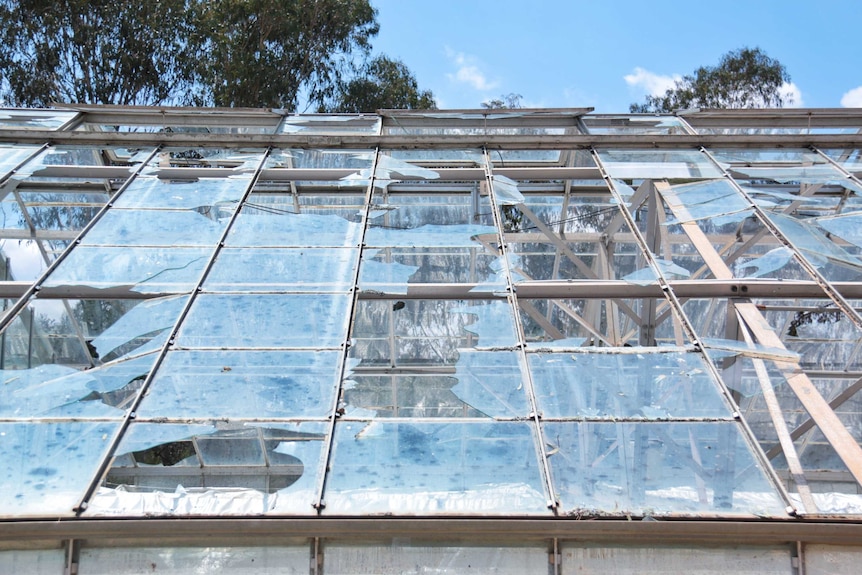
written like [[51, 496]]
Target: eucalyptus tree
[[744, 78]]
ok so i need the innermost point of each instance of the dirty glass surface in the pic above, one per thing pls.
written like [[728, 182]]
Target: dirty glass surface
[[651, 386], [422, 468], [205, 384], [656, 468]]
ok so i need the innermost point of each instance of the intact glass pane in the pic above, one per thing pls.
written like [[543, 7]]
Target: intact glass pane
[[252, 384], [670, 164], [657, 469], [280, 560], [36, 562], [399, 558], [141, 269], [274, 321], [155, 228], [625, 385], [430, 469], [626, 560], [13, 154], [483, 384], [283, 270], [203, 193], [47, 466], [287, 229], [428, 332]]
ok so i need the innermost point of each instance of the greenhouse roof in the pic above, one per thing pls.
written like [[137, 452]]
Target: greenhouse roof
[[423, 323]]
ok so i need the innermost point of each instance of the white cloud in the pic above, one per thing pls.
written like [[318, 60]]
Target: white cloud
[[468, 72], [852, 99], [650, 82], [792, 95]]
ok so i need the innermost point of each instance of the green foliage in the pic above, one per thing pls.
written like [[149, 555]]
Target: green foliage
[[259, 53], [95, 51], [382, 84], [745, 78], [509, 101], [268, 53]]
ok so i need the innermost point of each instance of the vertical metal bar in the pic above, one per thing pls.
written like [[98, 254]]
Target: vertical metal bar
[[334, 414], [512, 298]]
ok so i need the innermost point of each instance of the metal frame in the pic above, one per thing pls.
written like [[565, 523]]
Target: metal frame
[[663, 300]]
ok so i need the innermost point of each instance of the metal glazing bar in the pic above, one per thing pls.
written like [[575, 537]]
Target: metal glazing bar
[[334, 413], [534, 415]]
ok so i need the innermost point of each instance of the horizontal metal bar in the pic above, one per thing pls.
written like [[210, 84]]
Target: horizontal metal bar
[[511, 530], [425, 141], [547, 289]]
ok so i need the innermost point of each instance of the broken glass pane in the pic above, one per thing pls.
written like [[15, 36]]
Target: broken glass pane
[[766, 264], [266, 321], [167, 469], [235, 384], [47, 466], [59, 391], [242, 161], [820, 174], [625, 385], [431, 469], [506, 191], [282, 270], [647, 275], [601, 124], [141, 329], [144, 270], [846, 226], [491, 383], [811, 241], [656, 469], [387, 276], [717, 200], [330, 124]]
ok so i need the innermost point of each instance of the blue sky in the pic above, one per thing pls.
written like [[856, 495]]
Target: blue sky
[[609, 53]]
